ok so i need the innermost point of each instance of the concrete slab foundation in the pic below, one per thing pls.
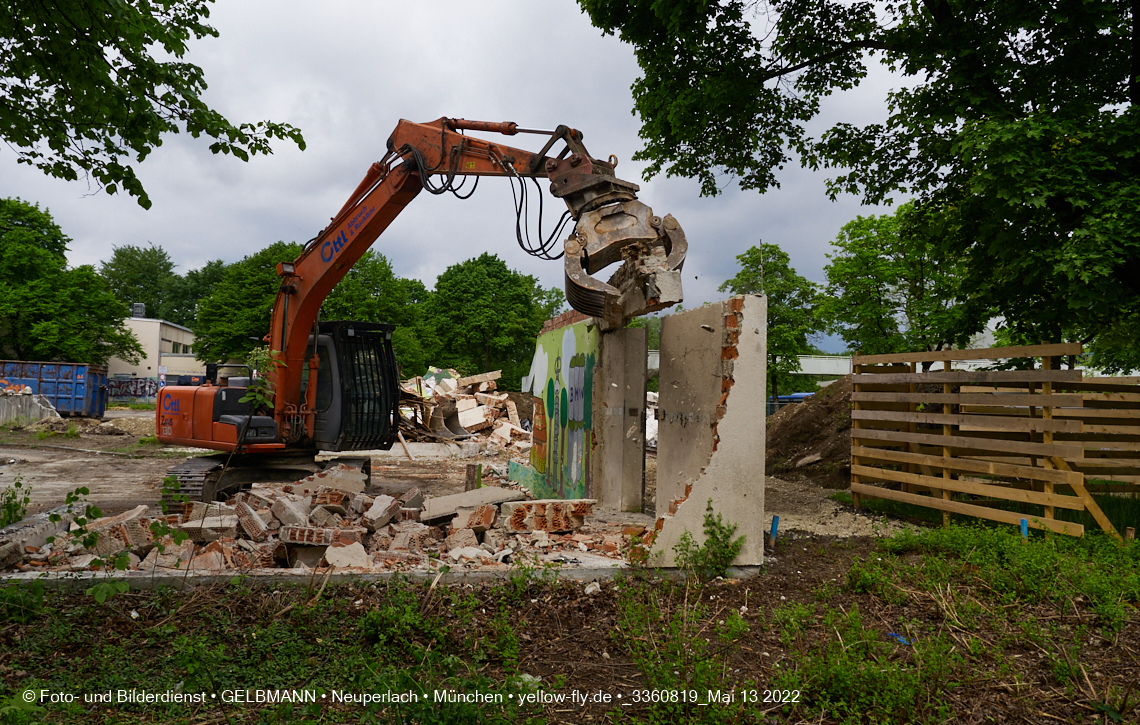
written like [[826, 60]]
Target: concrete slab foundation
[[711, 425]]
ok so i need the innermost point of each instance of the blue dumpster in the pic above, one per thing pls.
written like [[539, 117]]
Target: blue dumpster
[[73, 388]]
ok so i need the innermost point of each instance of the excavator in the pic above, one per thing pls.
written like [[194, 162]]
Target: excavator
[[334, 386]]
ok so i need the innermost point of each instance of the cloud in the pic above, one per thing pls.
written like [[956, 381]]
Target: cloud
[[346, 72]]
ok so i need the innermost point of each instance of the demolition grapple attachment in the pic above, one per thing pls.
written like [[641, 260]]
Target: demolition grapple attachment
[[613, 226]]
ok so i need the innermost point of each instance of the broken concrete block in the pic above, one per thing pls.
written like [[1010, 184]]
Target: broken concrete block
[[413, 537], [494, 401], [480, 378], [322, 516], [171, 556], [395, 558], [412, 499], [513, 413], [361, 502], [253, 556], [464, 403], [342, 477], [338, 502], [408, 515], [251, 522], [478, 518], [211, 528], [383, 509], [554, 515], [446, 385], [467, 552], [495, 538], [444, 506], [290, 513], [350, 556], [312, 536], [197, 510], [377, 542], [459, 539], [10, 553], [207, 561]]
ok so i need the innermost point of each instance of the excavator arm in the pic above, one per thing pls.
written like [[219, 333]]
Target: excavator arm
[[611, 226]]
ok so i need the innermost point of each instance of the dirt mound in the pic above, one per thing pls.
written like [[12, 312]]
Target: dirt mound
[[813, 438]]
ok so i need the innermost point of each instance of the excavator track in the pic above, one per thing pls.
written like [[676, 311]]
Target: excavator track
[[196, 475]]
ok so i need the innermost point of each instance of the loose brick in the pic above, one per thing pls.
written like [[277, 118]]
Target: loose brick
[[478, 518], [290, 513], [460, 538], [412, 499], [383, 510], [250, 522]]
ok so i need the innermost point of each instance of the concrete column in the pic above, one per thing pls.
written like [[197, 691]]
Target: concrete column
[[618, 464]]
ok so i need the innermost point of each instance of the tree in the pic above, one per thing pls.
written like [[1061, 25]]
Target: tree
[[50, 312], [234, 318], [84, 91], [486, 317], [1017, 128], [181, 294], [371, 292], [889, 289], [138, 274], [792, 319]]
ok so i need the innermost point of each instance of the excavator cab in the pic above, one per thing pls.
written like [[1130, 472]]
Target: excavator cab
[[358, 387]]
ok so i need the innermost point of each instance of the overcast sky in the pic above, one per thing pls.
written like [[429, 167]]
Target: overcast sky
[[346, 71]]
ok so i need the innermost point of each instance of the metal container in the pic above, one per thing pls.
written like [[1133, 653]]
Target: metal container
[[73, 388]]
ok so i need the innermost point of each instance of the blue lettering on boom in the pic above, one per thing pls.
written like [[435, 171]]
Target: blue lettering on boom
[[330, 248]]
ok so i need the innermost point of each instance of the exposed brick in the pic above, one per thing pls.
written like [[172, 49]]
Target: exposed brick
[[290, 513], [335, 501], [250, 522], [478, 519], [409, 515], [313, 536], [459, 539], [412, 499], [322, 516]]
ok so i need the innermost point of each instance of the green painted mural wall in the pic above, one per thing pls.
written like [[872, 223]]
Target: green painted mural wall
[[562, 381]]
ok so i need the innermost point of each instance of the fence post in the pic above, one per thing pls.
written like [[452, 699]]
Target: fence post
[[947, 430]]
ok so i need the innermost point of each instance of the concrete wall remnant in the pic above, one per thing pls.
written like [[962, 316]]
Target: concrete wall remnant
[[619, 419], [711, 425], [25, 408]]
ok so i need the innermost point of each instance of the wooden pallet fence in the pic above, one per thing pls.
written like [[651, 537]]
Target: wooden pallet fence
[[961, 440]]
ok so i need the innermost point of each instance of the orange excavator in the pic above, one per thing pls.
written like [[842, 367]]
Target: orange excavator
[[335, 385]]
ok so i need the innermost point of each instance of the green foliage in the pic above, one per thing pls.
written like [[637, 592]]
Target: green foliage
[[14, 502], [713, 558], [72, 430], [50, 312], [182, 293], [792, 299], [486, 316], [21, 603], [371, 292], [260, 391], [891, 289], [235, 315], [104, 590], [138, 274], [1015, 126], [91, 86]]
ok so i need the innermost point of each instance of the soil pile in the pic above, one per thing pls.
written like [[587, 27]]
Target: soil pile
[[813, 438]]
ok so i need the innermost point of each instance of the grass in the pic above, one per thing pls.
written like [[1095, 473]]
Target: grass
[[930, 627], [1122, 509]]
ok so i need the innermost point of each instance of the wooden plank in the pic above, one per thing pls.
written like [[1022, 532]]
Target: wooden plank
[[988, 353], [1110, 415], [1090, 502], [1005, 493], [1113, 397], [1119, 430], [1069, 399], [1090, 387], [968, 465], [958, 507], [988, 421], [1021, 447], [966, 376]]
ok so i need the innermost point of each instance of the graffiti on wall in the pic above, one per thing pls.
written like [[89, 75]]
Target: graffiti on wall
[[132, 388], [562, 380]]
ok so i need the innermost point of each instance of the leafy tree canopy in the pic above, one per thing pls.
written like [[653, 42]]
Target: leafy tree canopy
[[182, 293], [139, 274], [83, 89], [1016, 128], [234, 318], [889, 289], [792, 318], [371, 292], [486, 317], [50, 312]]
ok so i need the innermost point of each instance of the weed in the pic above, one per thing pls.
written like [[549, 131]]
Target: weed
[[21, 604], [715, 556], [72, 430], [45, 434], [149, 441], [14, 502]]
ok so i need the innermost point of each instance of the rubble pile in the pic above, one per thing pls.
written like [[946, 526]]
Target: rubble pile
[[444, 405], [328, 520]]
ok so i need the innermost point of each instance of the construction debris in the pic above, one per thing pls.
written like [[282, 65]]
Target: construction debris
[[441, 405], [275, 526]]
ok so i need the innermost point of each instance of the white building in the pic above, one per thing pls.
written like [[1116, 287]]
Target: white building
[[168, 352]]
